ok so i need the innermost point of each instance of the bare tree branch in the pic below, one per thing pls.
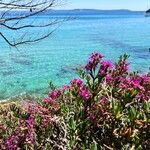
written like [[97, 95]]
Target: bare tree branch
[[17, 16], [35, 26]]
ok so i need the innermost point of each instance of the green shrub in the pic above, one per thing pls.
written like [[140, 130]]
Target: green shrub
[[108, 107]]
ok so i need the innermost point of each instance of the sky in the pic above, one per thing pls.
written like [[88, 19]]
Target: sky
[[107, 4]]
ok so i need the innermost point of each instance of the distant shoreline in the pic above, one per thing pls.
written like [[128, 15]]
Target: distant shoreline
[[83, 11]]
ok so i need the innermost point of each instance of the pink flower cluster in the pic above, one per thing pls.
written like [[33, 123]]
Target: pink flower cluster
[[76, 82], [129, 83], [118, 76], [52, 96], [122, 67], [93, 61], [84, 93], [104, 67], [23, 134], [36, 120], [80, 89], [30, 136]]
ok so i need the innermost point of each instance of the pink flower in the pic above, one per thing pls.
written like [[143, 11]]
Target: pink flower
[[93, 61], [84, 93], [48, 100], [142, 96], [136, 84], [11, 142], [145, 78], [96, 56], [105, 65], [66, 87], [76, 82], [90, 65], [123, 66], [54, 94], [109, 78], [30, 133]]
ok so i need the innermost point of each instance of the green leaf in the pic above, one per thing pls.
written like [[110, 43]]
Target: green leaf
[[116, 108], [52, 86], [94, 146], [133, 113], [72, 124]]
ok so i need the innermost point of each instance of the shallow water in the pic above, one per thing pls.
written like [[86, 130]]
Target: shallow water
[[31, 67]]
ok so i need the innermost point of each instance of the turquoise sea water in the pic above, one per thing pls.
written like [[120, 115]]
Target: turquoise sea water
[[31, 67]]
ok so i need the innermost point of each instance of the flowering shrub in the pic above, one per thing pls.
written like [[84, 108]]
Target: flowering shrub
[[108, 107], [29, 126]]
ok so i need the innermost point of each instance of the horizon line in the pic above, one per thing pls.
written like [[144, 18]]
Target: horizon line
[[121, 9], [125, 9]]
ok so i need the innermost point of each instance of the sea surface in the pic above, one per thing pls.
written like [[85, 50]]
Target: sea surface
[[29, 68]]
